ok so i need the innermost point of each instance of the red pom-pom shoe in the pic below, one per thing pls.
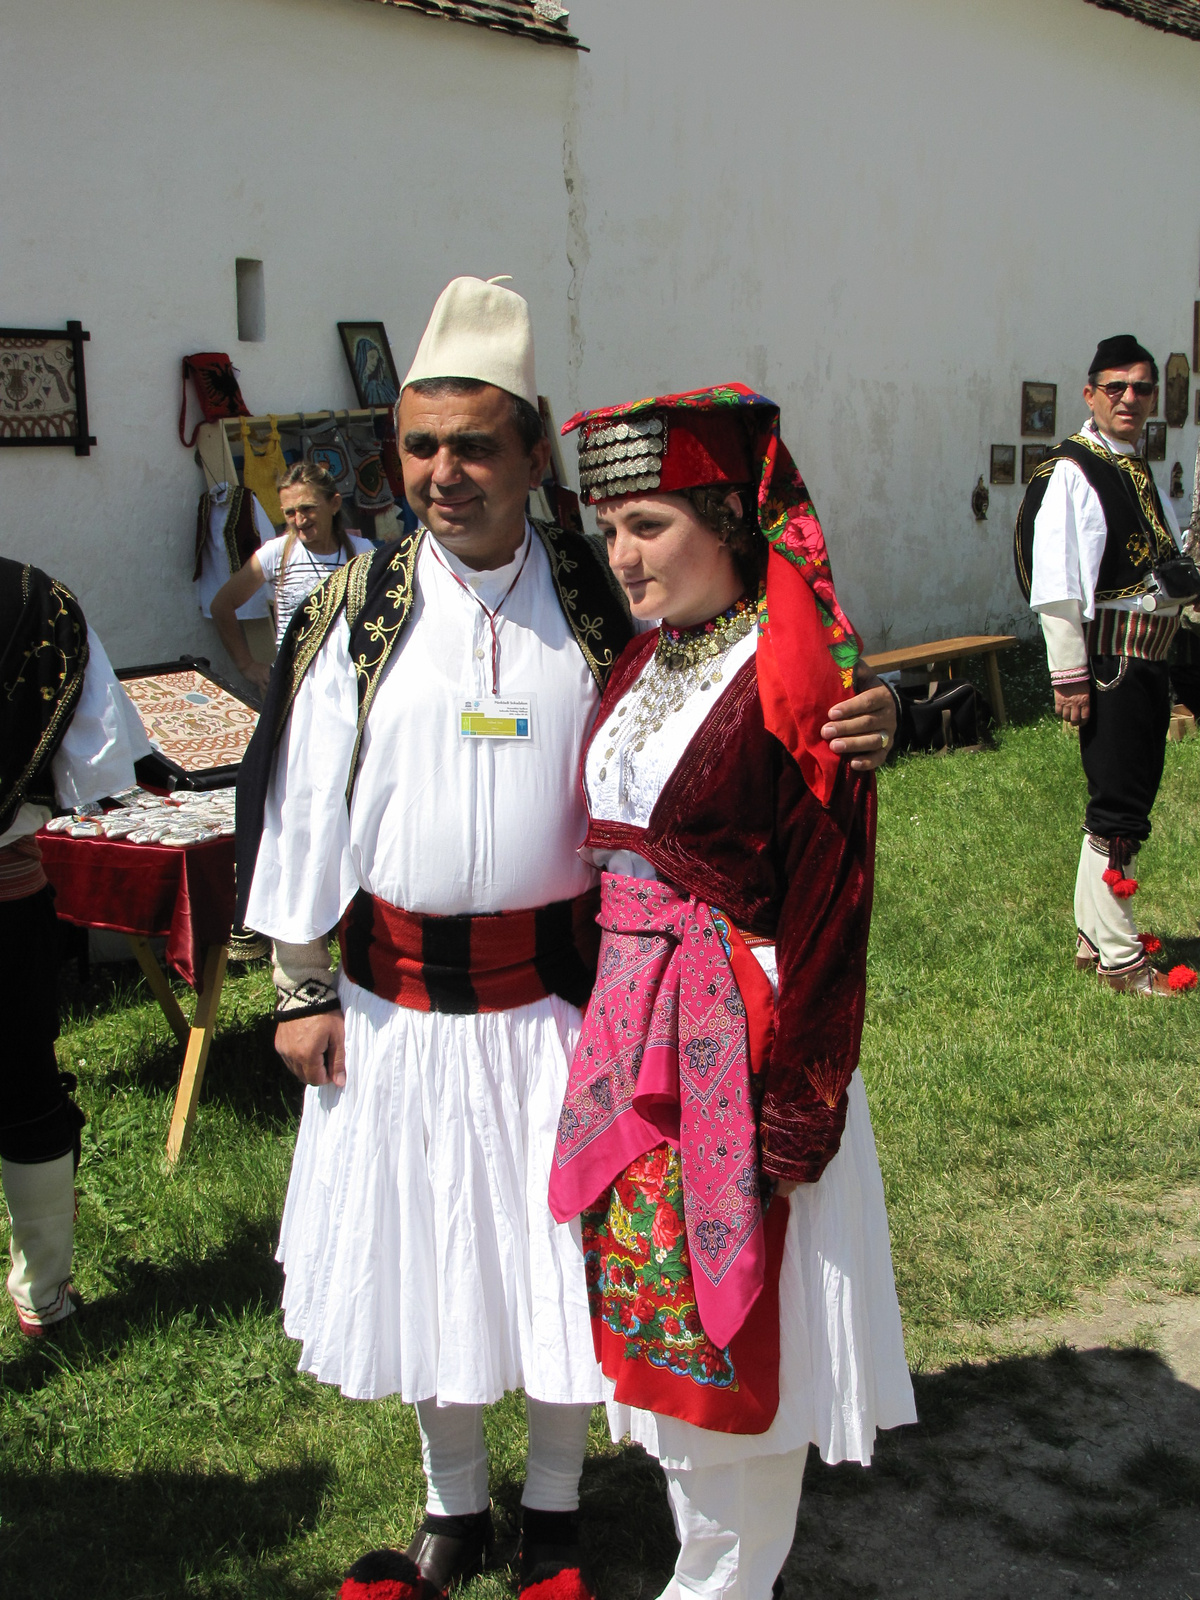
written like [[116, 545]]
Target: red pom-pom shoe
[[386, 1575]]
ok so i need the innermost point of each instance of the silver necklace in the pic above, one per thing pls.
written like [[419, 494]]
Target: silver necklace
[[664, 688]]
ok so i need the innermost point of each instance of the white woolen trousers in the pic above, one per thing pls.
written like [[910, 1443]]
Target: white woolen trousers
[[456, 1466], [735, 1525], [41, 1203]]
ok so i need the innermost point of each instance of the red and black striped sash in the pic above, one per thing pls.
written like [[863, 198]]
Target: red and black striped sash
[[469, 963]]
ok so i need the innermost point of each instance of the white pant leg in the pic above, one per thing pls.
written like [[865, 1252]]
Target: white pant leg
[[455, 1458], [1085, 897], [557, 1444], [735, 1525], [41, 1203], [1116, 935]]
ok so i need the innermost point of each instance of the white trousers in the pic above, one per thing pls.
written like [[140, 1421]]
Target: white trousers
[[456, 1465], [1104, 921], [735, 1525]]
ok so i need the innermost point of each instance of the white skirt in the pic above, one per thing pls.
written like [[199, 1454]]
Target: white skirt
[[842, 1372], [420, 1255]]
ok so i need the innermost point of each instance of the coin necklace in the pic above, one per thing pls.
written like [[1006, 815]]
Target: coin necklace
[[685, 660]]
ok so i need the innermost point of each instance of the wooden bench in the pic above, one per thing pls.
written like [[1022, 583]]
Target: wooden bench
[[951, 653]]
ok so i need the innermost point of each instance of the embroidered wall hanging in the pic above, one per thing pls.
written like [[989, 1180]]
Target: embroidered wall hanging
[[43, 395]]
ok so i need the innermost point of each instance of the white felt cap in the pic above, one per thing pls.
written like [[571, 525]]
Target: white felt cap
[[478, 330]]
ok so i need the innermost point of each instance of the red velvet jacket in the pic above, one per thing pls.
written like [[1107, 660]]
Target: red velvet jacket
[[737, 826]]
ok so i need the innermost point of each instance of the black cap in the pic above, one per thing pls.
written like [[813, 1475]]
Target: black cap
[[1122, 350]]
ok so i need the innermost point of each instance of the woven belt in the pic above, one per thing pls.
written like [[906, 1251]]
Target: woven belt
[[466, 964]]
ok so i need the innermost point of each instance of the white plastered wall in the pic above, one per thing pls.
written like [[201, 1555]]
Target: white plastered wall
[[885, 214], [367, 155]]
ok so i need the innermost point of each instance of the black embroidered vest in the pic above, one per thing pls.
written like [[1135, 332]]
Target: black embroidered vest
[[376, 592], [1137, 534]]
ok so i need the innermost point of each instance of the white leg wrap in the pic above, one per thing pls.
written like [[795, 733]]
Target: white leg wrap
[[1116, 935], [735, 1525], [557, 1445], [455, 1458], [41, 1203]]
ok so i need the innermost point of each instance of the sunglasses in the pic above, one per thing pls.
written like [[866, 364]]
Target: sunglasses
[[1116, 391]]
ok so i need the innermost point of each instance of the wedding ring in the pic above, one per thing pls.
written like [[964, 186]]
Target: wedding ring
[[883, 740]]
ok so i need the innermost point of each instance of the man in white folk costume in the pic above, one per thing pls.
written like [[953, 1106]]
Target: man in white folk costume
[[414, 783]]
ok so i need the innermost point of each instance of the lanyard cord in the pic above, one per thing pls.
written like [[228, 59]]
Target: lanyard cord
[[490, 615]]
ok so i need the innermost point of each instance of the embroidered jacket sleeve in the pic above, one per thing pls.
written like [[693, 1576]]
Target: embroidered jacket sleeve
[[826, 863]]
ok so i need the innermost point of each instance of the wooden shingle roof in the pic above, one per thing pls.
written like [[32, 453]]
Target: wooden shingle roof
[[1171, 16], [542, 20]]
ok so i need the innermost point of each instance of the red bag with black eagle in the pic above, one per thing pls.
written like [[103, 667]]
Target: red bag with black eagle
[[216, 389]]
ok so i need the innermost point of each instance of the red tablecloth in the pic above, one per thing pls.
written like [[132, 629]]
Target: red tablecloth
[[185, 895]]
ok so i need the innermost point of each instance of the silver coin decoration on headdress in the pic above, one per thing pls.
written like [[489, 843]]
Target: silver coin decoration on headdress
[[620, 457]]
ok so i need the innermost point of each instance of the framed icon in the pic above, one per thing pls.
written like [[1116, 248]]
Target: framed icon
[[1032, 455], [371, 365], [1156, 441], [1004, 463], [1039, 405]]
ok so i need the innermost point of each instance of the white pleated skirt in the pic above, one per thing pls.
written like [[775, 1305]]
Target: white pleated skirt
[[419, 1252], [842, 1371]]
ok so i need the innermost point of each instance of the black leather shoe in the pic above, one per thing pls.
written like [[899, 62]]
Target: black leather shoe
[[448, 1550]]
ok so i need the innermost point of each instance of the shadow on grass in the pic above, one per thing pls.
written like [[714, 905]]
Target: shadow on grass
[[1038, 1477], [151, 1534], [1059, 1475], [240, 1277]]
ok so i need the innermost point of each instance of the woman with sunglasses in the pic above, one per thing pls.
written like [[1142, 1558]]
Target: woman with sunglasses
[[715, 1135]]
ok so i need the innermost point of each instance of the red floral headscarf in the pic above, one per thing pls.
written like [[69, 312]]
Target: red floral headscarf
[[728, 434]]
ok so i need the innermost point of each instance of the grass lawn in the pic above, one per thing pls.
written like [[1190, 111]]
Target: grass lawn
[[1031, 1128]]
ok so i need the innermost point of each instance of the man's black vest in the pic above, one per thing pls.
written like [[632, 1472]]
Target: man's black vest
[[1137, 534]]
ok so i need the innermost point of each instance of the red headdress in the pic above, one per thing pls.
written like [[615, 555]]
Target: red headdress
[[807, 647]]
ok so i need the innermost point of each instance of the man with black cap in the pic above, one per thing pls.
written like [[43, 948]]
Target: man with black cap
[[1098, 556]]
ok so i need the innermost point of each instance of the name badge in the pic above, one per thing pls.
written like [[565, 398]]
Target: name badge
[[492, 718]]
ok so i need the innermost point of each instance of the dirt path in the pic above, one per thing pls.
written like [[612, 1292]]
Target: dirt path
[[1070, 1467]]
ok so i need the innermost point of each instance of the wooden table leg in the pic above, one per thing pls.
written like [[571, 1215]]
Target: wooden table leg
[[196, 1056], [994, 689], [159, 987]]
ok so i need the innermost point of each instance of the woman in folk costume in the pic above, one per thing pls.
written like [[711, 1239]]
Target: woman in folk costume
[[715, 1134]]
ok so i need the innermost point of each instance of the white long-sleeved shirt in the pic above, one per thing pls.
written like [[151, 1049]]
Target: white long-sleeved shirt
[[95, 758], [438, 823]]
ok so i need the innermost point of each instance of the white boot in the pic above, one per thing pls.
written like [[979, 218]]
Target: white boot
[[41, 1203]]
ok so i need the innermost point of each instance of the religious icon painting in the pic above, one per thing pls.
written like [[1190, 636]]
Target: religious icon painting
[[1004, 463], [43, 397], [1032, 455], [1175, 408], [1156, 441], [371, 365], [1039, 404]]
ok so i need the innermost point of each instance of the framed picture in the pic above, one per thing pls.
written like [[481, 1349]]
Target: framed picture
[[1178, 375], [43, 395], [1039, 402], [1004, 463], [371, 365], [1032, 455], [199, 726], [1156, 441]]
